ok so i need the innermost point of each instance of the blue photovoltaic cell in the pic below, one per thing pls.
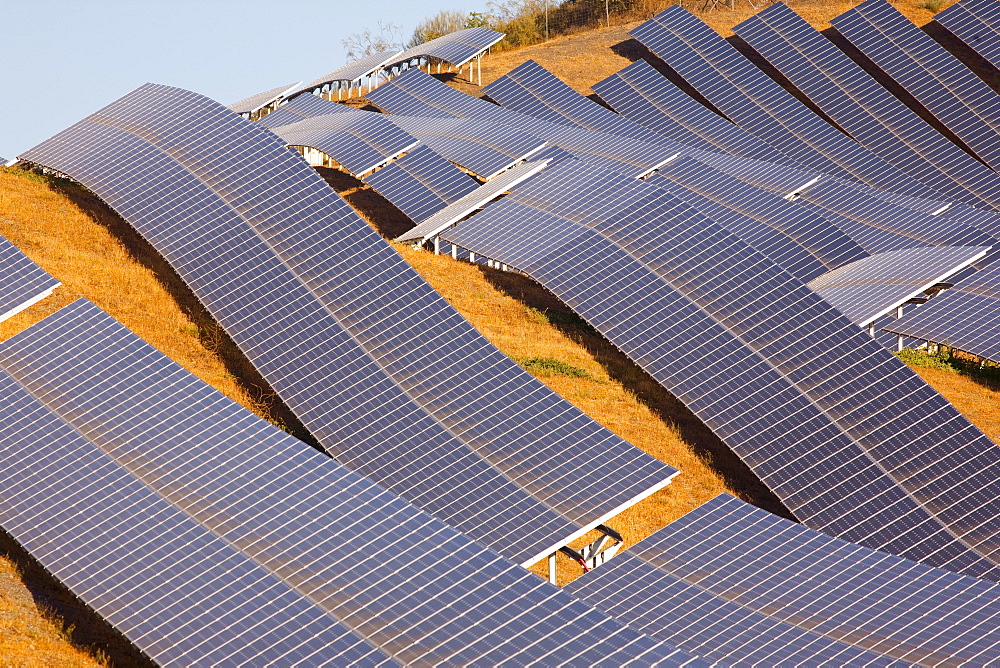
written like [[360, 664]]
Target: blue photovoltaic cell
[[862, 107], [868, 289], [22, 282], [977, 24], [179, 593], [421, 183], [415, 93], [728, 332], [935, 78], [485, 150], [828, 244], [746, 562], [358, 140], [341, 326], [759, 105], [645, 96], [858, 205], [299, 108], [397, 580], [966, 316]]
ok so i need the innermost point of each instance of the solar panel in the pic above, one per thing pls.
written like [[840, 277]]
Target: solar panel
[[829, 245], [351, 73], [977, 24], [645, 96], [360, 141], [874, 240], [759, 105], [868, 289], [340, 326], [483, 150], [473, 201], [415, 93], [299, 108], [455, 48], [179, 593], [397, 580], [791, 257], [923, 229], [934, 77], [966, 317], [255, 103], [727, 332], [746, 562], [23, 282], [860, 105], [768, 175], [421, 183]]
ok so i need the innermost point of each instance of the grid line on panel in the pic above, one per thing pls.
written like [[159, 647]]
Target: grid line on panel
[[866, 110], [827, 378], [163, 580], [342, 354], [935, 78], [759, 105], [794, 575], [24, 282]]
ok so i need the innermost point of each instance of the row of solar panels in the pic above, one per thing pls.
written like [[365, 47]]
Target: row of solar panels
[[456, 49]]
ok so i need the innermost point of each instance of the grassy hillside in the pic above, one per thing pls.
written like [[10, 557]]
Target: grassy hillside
[[98, 256]]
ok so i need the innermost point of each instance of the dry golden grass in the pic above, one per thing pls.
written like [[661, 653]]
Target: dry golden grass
[[97, 256]]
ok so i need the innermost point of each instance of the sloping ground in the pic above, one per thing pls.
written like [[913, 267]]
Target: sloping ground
[[96, 255]]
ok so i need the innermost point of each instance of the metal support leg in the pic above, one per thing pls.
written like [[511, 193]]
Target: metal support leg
[[899, 337], [472, 257], [871, 329], [437, 245], [552, 568], [454, 252]]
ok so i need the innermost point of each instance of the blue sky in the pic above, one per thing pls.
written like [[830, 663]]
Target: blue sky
[[61, 60]]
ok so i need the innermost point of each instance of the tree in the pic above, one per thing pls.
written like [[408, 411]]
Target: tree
[[387, 37]]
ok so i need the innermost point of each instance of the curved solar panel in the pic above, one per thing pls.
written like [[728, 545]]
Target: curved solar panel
[[179, 593], [455, 48], [341, 326], [395, 579], [935, 78], [743, 558], [352, 72], [977, 24], [756, 103], [299, 108], [22, 282], [727, 332], [966, 317], [260, 100], [868, 289], [828, 244], [860, 105], [360, 141], [421, 183], [484, 150]]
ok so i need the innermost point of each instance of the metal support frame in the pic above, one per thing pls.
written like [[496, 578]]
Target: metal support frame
[[552, 568]]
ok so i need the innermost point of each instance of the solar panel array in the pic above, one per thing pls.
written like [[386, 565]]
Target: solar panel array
[[421, 183], [727, 332], [935, 78], [340, 326], [645, 96], [977, 24], [868, 289], [23, 282], [360, 141], [862, 107], [705, 578], [257, 102], [473, 201], [299, 108], [966, 316], [483, 150], [320, 565], [759, 105]]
